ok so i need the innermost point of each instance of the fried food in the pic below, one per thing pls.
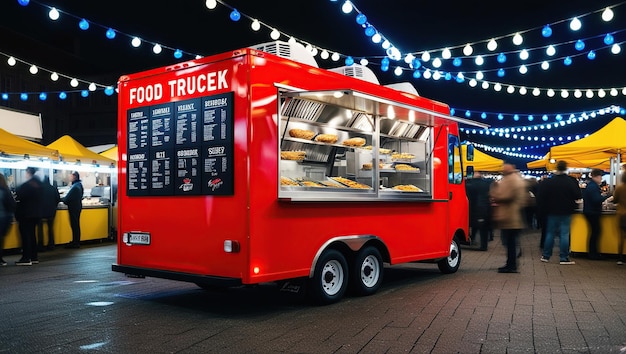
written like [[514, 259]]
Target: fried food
[[285, 181], [354, 142], [402, 156], [292, 155], [326, 138], [407, 188], [302, 134], [369, 165], [350, 183]]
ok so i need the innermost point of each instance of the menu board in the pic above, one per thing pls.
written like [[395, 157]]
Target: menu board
[[182, 148]]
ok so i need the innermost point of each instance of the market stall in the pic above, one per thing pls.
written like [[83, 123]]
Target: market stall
[[482, 161]]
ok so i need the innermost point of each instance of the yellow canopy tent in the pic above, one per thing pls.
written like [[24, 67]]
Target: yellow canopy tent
[[110, 153], [593, 151], [14, 145], [72, 151], [482, 161]]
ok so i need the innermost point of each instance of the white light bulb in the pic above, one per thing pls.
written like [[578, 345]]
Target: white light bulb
[[397, 71], [436, 75], [607, 14], [54, 76], [324, 55], [409, 58], [479, 60], [497, 87], [510, 89], [485, 85], [523, 54], [446, 54], [376, 38], [523, 69], [157, 49], [437, 63], [255, 25], [11, 61], [425, 56], [578, 93], [427, 74], [210, 4], [335, 57], [473, 82], [564, 93], [33, 69], [198, 56], [613, 92], [314, 51], [536, 92], [135, 42], [601, 93], [468, 50], [575, 24], [346, 7], [480, 75], [364, 62], [492, 45], [517, 39], [92, 87], [523, 91], [53, 14], [386, 44], [274, 34], [545, 65], [73, 82], [589, 93], [615, 48], [550, 51]]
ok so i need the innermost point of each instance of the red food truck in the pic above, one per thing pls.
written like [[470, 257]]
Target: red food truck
[[249, 167]]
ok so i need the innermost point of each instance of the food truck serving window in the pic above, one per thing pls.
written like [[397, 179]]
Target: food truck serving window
[[343, 145]]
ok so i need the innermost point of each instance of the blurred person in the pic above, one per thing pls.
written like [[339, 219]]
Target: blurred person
[[593, 197], [540, 211], [74, 201], [619, 198], [558, 196], [509, 195], [27, 214], [530, 209], [477, 189], [50, 202], [7, 208]]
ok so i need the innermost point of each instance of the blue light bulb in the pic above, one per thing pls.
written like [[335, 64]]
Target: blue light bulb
[[109, 90], [580, 45], [43, 96], [235, 15], [110, 33], [417, 74], [501, 72], [62, 95], [84, 93], [591, 55], [452, 111], [448, 76], [501, 58], [531, 118], [468, 113], [83, 24], [5, 96], [23, 2], [567, 61], [361, 19], [544, 117], [178, 54], [516, 117], [559, 117], [349, 61], [546, 31], [384, 62], [483, 115], [23, 96], [608, 39], [416, 63], [460, 78], [500, 116], [457, 62], [370, 30]]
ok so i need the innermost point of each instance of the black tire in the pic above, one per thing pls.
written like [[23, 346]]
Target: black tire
[[366, 272], [330, 278], [451, 263]]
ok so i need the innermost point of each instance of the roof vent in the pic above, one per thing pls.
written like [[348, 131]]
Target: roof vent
[[294, 51], [358, 71], [404, 87]]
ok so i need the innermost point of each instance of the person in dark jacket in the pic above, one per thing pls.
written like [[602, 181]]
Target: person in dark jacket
[[74, 201], [477, 189], [558, 196], [592, 209], [7, 208], [27, 214], [49, 203]]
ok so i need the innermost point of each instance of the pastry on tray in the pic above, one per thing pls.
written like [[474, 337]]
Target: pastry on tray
[[286, 181], [405, 167], [326, 138], [354, 142], [302, 134], [292, 155], [350, 183], [407, 188]]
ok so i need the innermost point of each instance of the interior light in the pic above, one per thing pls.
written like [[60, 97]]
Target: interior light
[[391, 114], [53, 14], [575, 24], [468, 50], [255, 25], [73, 82], [346, 7], [517, 39], [157, 49], [33, 69], [210, 4], [607, 14], [135, 42], [274, 34], [11, 61], [492, 45]]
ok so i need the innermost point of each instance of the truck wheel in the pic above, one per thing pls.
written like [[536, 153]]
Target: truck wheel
[[367, 272], [330, 278], [451, 263]]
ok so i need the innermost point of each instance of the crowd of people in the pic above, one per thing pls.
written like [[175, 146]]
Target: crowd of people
[[35, 203], [513, 203]]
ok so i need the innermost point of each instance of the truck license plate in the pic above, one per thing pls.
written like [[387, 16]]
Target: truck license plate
[[138, 238]]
